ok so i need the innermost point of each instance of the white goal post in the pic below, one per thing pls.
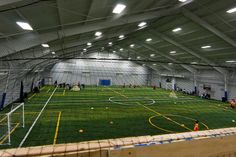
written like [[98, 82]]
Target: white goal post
[[12, 120]]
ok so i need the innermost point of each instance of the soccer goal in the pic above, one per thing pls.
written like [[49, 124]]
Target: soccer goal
[[9, 122]]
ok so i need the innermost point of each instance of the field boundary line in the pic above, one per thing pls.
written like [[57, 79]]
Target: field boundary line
[[5, 138], [57, 128], [35, 121], [31, 96]]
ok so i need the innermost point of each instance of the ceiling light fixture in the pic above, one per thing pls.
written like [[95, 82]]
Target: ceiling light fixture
[[53, 53], [177, 29], [152, 55], [154, 64], [45, 45], [84, 49], [172, 52], [132, 45], [121, 49], [110, 43], [138, 57], [121, 36], [206, 47], [89, 44], [142, 24], [97, 34], [24, 25], [182, 1], [231, 61], [149, 39], [118, 8], [231, 10]]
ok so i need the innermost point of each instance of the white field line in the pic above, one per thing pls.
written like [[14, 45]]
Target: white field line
[[30, 129]]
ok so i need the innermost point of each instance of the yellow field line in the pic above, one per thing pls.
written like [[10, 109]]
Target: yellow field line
[[3, 119], [64, 92], [157, 126], [5, 138], [118, 93], [156, 112], [32, 96], [165, 117], [57, 128]]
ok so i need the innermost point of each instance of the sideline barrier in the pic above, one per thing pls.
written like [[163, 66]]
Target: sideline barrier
[[210, 143]]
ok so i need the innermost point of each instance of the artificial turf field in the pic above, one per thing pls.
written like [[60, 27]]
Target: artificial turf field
[[113, 112]]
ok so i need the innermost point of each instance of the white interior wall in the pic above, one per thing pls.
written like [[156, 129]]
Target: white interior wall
[[90, 71]]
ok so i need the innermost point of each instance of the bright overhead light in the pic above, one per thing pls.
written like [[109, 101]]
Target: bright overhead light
[[45, 45], [118, 8], [144, 64], [121, 36], [176, 29], [170, 63], [149, 39], [231, 10], [182, 1], [154, 64], [97, 34], [89, 44], [142, 24], [152, 55], [53, 53], [129, 58], [138, 57], [110, 43], [231, 61], [84, 49], [24, 25], [193, 62], [121, 49], [114, 51], [132, 45], [172, 52], [206, 47]]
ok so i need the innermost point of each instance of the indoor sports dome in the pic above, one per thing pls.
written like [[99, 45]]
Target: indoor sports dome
[[118, 78]]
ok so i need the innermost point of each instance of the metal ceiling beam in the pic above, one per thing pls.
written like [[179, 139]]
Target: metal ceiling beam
[[51, 35], [149, 47], [207, 26], [7, 2], [166, 38]]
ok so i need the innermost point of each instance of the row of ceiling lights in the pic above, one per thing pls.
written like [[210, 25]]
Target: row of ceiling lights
[[119, 8]]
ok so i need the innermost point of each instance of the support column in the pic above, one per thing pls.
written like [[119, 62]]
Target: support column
[[195, 83], [173, 82], [226, 87]]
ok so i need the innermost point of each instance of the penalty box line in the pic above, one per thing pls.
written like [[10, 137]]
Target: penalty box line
[[35, 121]]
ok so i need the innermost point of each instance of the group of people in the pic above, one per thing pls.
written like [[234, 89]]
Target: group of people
[[69, 86]]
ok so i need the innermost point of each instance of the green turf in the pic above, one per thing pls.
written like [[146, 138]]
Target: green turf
[[126, 115]]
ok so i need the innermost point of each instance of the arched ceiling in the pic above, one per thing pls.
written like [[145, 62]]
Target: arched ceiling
[[68, 25]]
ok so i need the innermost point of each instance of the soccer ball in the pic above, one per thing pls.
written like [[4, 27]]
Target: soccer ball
[[106, 108], [92, 108], [81, 130], [233, 121], [111, 122]]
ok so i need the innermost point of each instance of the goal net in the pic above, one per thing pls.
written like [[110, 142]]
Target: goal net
[[9, 122]]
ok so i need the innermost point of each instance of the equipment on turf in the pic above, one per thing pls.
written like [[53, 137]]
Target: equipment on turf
[[75, 88], [173, 95], [10, 122]]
